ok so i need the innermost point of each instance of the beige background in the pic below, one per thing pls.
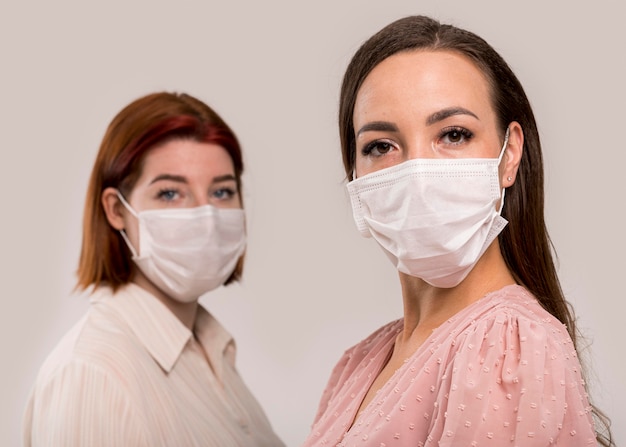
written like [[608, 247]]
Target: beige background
[[312, 286]]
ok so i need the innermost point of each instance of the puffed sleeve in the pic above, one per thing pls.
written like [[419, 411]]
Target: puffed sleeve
[[81, 405], [513, 381]]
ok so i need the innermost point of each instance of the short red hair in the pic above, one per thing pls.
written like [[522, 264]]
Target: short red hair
[[140, 126]]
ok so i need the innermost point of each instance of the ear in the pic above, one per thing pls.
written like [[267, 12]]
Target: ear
[[512, 154], [113, 208]]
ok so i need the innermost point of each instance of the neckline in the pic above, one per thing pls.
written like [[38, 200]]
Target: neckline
[[434, 335]]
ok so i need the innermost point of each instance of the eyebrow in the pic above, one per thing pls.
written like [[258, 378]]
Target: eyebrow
[[182, 179], [447, 113], [170, 177], [224, 178], [385, 126], [378, 126]]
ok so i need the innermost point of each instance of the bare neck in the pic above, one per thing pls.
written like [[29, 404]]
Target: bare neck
[[185, 312], [427, 307]]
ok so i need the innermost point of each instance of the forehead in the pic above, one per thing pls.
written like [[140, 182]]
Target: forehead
[[423, 82], [188, 157]]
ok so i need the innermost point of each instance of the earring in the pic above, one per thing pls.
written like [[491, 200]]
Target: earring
[[509, 178]]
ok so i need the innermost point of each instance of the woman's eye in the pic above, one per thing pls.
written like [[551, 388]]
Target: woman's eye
[[377, 148], [455, 136], [224, 193], [168, 195]]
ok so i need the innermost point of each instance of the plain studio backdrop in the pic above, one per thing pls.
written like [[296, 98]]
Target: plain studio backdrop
[[312, 286]]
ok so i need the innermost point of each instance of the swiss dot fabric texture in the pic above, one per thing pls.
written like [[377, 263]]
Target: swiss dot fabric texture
[[501, 372]]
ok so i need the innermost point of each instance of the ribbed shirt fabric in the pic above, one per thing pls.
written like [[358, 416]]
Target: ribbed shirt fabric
[[502, 372], [131, 374]]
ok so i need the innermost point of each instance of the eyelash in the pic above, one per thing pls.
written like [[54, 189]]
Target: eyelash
[[367, 150], [466, 134], [219, 194], [230, 193], [462, 132], [165, 191]]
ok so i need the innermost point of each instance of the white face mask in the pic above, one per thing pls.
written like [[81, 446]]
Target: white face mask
[[433, 218], [187, 252]]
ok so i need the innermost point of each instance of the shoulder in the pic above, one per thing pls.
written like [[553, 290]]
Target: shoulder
[[379, 340], [78, 401], [84, 363], [512, 315], [99, 341], [511, 324], [513, 361], [89, 376]]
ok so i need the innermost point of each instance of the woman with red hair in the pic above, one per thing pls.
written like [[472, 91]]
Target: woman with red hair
[[163, 225]]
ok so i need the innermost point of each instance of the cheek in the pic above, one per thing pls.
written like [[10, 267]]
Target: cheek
[[367, 165]]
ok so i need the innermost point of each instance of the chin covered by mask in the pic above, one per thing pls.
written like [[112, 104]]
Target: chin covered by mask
[[433, 218], [187, 252]]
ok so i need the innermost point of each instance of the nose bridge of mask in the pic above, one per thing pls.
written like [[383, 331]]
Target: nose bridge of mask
[[359, 185], [502, 151]]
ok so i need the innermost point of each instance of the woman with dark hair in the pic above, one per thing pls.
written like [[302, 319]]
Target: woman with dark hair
[[445, 172], [163, 225]]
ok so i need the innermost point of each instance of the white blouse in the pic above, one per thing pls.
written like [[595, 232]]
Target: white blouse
[[131, 374]]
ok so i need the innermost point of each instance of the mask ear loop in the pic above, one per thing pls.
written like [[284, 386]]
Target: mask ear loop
[[122, 232], [506, 142], [126, 204]]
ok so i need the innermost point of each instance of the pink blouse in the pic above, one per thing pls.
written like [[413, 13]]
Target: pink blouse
[[503, 371]]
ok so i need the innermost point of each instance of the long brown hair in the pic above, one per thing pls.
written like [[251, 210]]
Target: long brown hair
[[524, 243], [140, 126]]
